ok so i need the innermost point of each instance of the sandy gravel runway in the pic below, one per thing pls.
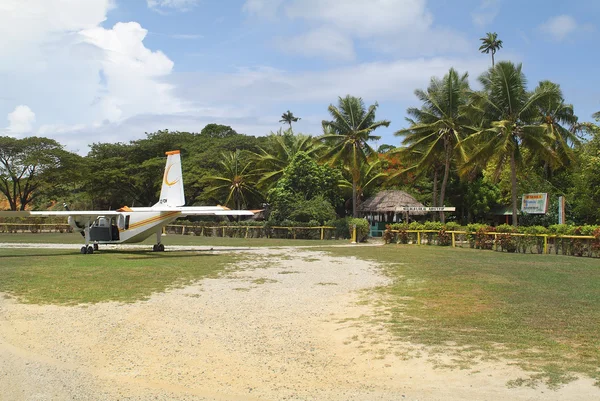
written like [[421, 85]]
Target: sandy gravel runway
[[280, 328]]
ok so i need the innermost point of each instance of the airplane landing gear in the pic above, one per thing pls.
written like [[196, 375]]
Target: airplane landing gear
[[158, 247], [87, 250], [95, 247]]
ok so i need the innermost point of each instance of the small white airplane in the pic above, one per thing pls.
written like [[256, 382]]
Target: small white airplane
[[135, 224]]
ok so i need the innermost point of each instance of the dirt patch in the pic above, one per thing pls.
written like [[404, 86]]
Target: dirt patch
[[283, 337]]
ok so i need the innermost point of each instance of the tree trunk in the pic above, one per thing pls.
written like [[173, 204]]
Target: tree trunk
[[435, 185], [513, 185], [354, 214], [445, 179], [493, 58]]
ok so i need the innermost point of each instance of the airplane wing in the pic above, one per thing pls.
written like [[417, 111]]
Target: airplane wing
[[203, 210], [64, 213]]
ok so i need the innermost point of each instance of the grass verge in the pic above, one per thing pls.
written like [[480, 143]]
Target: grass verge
[[74, 238], [541, 311], [47, 276]]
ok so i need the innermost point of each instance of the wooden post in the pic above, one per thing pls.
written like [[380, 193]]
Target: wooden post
[[453, 241], [322, 233], [354, 233], [183, 230], [418, 237], [545, 244], [223, 231], [246, 232]]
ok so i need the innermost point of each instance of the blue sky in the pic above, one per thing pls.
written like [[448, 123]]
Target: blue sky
[[110, 70]]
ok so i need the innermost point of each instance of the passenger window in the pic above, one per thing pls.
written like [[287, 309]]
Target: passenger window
[[127, 222]]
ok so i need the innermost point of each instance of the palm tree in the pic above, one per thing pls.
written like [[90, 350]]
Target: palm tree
[[560, 123], [288, 118], [236, 182], [436, 129], [596, 115], [347, 136], [278, 154], [490, 44], [370, 177], [510, 122]]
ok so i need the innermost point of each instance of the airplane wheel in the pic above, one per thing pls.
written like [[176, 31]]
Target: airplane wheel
[[161, 248], [95, 247], [154, 248], [83, 250], [90, 250]]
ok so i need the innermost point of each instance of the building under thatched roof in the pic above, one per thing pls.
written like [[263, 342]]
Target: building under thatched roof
[[386, 206]]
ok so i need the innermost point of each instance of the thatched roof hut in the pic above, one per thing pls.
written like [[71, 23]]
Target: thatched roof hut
[[386, 206]]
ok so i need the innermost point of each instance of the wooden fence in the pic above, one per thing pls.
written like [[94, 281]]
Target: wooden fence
[[574, 245]]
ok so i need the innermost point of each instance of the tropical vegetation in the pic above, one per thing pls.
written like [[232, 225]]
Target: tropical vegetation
[[475, 149]]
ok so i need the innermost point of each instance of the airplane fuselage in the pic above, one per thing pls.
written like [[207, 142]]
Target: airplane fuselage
[[130, 227]]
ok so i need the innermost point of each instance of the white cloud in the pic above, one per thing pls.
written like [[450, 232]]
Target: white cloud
[[365, 18], [324, 42], [262, 8], [486, 13], [559, 27], [60, 62], [21, 120], [178, 5], [391, 26], [260, 87]]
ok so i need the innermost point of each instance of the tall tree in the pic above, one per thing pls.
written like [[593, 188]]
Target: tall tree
[[596, 115], [371, 176], [561, 125], [510, 116], [490, 44], [278, 153], [235, 183], [31, 167], [437, 127], [288, 118], [348, 134]]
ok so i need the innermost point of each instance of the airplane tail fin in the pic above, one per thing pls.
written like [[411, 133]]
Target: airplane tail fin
[[171, 193]]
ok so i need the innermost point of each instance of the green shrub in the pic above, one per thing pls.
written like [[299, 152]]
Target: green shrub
[[341, 229], [559, 229], [433, 225], [399, 226], [415, 225], [506, 228], [362, 228], [453, 226]]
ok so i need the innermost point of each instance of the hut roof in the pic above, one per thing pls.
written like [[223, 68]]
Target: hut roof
[[388, 201]]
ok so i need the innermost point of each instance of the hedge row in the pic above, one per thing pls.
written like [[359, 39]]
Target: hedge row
[[338, 229], [558, 239]]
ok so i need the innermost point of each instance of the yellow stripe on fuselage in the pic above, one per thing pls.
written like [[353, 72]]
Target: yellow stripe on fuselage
[[151, 220]]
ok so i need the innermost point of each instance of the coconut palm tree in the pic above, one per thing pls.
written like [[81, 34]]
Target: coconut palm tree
[[437, 128], [596, 115], [236, 182], [371, 176], [288, 118], [560, 123], [271, 160], [510, 117], [347, 136], [490, 44]]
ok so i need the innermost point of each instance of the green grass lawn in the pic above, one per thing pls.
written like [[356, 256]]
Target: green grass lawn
[[171, 239], [542, 311], [47, 276]]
